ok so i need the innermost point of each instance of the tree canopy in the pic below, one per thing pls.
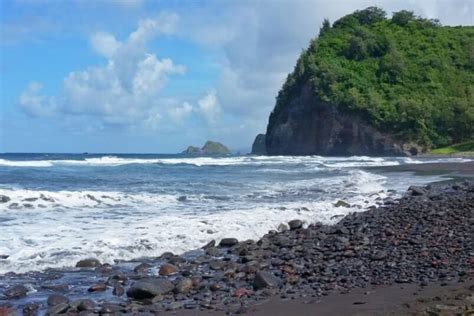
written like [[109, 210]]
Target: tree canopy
[[406, 75]]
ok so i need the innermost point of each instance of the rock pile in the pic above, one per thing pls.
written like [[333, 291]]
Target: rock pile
[[424, 237]]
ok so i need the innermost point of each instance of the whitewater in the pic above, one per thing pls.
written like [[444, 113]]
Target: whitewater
[[57, 209]]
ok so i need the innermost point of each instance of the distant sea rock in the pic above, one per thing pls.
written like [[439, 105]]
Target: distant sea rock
[[258, 147], [209, 148]]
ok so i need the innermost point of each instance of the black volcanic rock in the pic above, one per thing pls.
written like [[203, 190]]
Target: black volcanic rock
[[150, 288], [258, 146], [310, 126]]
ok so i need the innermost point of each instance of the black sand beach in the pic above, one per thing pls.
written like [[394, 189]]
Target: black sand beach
[[412, 255]]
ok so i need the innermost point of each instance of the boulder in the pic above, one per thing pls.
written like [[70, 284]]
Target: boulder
[[417, 191], [266, 280], [149, 288], [88, 263], [168, 269], [342, 203], [83, 305], [228, 242], [295, 224], [184, 285], [16, 291], [57, 309], [56, 299], [4, 199]]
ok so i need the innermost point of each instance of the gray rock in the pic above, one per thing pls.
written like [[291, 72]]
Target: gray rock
[[228, 242], [266, 280], [150, 288], [110, 308], [210, 244], [142, 267], [213, 251], [56, 299], [4, 199], [379, 255], [99, 287], [216, 264], [88, 263], [57, 309], [417, 191], [168, 269], [31, 309], [16, 291], [184, 285], [342, 203], [283, 227], [295, 224], [118, 290], [83, 305]]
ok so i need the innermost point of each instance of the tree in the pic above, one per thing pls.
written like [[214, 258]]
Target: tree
[[370, 15], [325, 27], [392, 67], [356, 48], [403, 17]]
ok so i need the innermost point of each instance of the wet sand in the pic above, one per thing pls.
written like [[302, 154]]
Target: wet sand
[[407, 299], [448, 169]]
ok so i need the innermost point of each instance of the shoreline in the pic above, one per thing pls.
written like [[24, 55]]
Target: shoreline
[[358, 252], [458, 170]]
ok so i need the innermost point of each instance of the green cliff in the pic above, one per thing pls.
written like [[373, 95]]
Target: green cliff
[[407, 80]]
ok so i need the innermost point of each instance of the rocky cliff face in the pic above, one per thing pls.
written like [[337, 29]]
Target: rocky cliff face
[[258, 146], [309, 126]]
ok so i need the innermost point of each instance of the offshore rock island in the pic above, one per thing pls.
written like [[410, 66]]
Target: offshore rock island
[[209, 148]]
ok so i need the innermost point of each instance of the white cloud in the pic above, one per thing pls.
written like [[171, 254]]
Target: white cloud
[[105, 44], [165, 23], [34, 103], [125, 91], [180, 112], [152, 74], [209, 107]]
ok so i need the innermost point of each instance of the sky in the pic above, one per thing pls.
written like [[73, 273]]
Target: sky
[[138, 76]]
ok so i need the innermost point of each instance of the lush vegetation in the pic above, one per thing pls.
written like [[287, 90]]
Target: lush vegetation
[[454, 149], [405, 74]]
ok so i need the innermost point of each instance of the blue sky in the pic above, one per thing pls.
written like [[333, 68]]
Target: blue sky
[[156, 76]]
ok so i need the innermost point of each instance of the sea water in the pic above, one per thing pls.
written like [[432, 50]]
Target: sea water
[[58, 209]]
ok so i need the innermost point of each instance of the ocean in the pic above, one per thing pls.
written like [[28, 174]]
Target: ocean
[[56, 209]]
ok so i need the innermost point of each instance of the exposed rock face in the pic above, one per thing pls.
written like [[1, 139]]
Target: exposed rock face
[[309, 126], [209, 148], [192, 150], [258, 147]]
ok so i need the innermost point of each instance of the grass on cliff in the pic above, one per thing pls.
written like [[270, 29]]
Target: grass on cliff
[[406, 75], [455, 149]]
